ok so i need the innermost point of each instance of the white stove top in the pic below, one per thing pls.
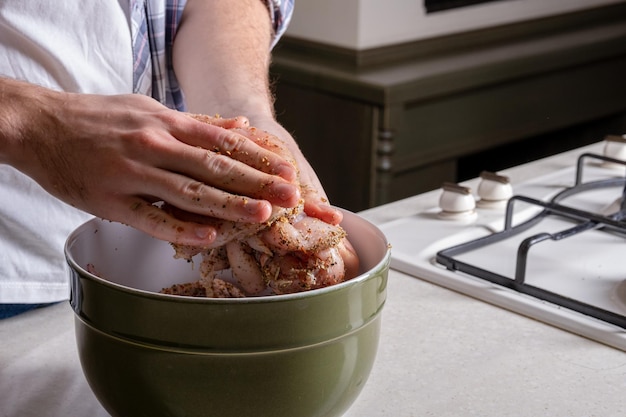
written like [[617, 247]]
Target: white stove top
[[586, 267]]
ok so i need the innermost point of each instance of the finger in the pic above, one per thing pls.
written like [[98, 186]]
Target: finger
[[324, 212], [232, 143], [203, 200], [318, 206], [197, 197], [226, 123], [204, 177], [267, 141], [150, 219]]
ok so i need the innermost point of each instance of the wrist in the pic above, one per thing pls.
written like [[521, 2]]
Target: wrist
[[22, 118], [256, 108]]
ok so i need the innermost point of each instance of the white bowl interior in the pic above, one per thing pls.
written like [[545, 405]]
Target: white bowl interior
[[128, 257]]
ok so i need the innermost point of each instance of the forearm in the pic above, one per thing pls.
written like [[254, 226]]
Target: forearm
[[113, 156], [23, 108], [222, 55], [221, 59]]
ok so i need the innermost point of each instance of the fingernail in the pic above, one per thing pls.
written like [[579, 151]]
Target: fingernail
[[252, 208], [260, 210], [285, 192], [286, 171], [205, 232]]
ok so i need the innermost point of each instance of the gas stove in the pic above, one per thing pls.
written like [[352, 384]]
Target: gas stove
[[550, 248]]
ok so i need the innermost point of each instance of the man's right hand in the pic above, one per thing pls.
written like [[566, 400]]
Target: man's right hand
[[114, 156]]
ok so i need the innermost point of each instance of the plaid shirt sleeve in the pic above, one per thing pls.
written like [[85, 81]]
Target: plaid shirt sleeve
[[153, 29], [280, 13]]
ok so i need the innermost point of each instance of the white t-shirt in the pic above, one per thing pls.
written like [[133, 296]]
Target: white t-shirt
[[71, 45]]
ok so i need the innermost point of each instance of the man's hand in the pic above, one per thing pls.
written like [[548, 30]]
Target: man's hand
[[221, 59], [114, 156], [315, 200]]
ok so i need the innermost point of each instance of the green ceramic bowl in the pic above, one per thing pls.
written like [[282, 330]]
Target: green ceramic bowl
[[150, 354]]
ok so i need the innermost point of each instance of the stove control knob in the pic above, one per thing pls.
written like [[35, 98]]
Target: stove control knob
[[456, 202], [493, 190], [615, 147]]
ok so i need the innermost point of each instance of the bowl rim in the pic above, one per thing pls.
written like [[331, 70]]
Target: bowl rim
[[380, 266], [243, 300]]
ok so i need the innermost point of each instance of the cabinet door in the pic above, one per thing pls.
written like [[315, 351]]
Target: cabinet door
[[336, 136]]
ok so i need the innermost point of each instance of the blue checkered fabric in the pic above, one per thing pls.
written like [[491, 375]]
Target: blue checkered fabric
[[153, 28]]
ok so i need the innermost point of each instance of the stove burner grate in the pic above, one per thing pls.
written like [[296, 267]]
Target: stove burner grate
[[582, 221]]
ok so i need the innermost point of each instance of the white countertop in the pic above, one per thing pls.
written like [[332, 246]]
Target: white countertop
[[441, 354]]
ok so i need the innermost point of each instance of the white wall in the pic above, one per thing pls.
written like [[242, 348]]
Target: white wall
[[364, 24]]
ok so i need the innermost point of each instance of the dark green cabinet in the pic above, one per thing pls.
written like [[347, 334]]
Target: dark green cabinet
[[384, 124]]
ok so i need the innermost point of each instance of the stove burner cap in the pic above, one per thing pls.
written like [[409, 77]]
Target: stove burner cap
[[494, 190], [615, 147], [456, 202]]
